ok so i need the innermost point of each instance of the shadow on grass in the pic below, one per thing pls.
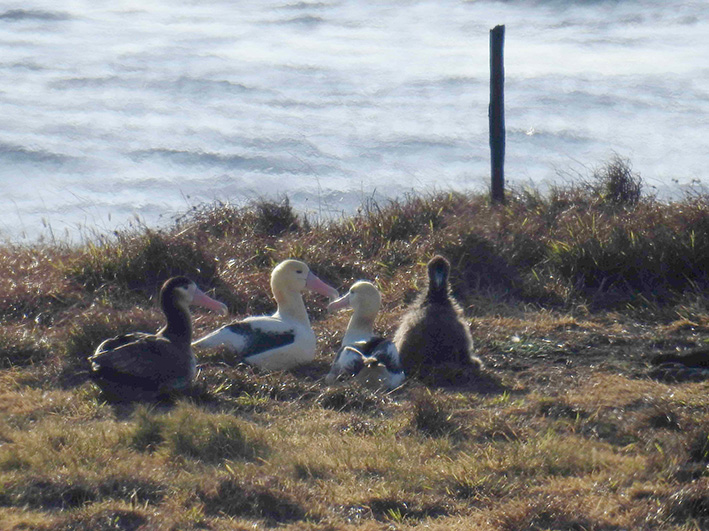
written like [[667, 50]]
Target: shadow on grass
[[240, 499], [689, 505], [108, 519], [469, 379], [62, 493]]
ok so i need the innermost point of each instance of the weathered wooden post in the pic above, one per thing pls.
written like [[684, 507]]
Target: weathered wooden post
[[496, 113]]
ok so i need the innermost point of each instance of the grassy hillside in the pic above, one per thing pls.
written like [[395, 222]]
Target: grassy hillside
[[569, 294]]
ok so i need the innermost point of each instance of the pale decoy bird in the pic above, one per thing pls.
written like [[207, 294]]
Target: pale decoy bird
[[372, 359], [433, 334], [140, 366], [285, 339]]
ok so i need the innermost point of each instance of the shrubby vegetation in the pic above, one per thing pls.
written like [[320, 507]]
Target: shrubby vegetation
[[569, 293]]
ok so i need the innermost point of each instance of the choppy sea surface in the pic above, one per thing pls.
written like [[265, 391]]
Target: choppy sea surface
[[113, 112]]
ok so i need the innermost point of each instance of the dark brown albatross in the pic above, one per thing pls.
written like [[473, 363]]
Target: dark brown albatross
[[433, 339], [140, 366]]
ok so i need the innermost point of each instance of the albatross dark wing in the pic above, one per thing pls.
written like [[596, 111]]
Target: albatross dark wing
[[386, 353], [148, 364], [257, 340]]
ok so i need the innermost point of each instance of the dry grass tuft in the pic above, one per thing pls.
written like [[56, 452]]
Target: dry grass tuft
[[32, 285], [616, 183], [432, 416], [398, 511], [109, 518], [699, 445], [59, 492], [19, 346], [550, 514], [350, 398], [236, 498], [190, 432], [244, 387], [141, 262], [689, 505]]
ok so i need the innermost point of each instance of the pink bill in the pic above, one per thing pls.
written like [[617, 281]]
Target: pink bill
[[342, 302], [318, 286], [202, 299]]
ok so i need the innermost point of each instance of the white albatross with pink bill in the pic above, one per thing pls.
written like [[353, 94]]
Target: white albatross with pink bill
[[285, 339]]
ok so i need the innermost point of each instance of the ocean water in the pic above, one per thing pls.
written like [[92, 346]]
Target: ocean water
[[124, 112]]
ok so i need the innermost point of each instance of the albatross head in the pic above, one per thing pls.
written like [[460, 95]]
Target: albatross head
[[363, 297], [295, 276], [183, 292]]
